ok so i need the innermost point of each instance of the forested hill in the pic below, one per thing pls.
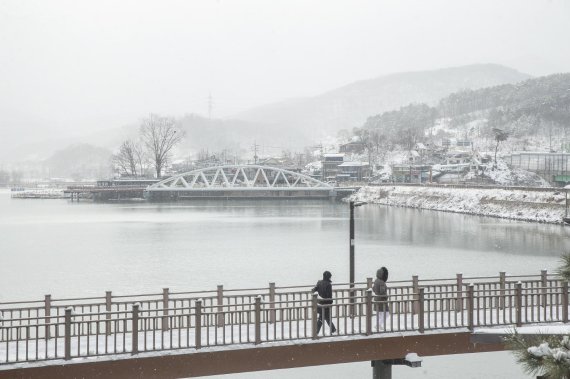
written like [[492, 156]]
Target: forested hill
[[547, 97], [533, 109], [350, 105]]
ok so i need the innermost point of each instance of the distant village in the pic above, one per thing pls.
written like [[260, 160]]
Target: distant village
[[450, 162]]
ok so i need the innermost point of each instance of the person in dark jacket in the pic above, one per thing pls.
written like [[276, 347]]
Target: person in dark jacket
[[324, 289], [381, 297]]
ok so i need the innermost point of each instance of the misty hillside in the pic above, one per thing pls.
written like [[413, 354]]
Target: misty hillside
[[234, 136], [535, 113], [351, 105], [38, 151], [80, 161], [296, 123]]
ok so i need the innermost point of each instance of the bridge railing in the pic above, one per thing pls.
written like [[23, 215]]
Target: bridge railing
[[121, 324], [176, 302]]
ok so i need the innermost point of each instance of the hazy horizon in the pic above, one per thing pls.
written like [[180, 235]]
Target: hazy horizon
[[72, 68]]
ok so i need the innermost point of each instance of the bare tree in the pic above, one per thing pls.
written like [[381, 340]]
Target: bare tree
[[500, 136], [125, 159], [159, 135], [131, 159], [365, 137], [141, 157]]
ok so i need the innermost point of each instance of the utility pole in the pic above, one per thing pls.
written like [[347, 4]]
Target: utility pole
[[351, 279], [255, 147], [351, 250], [299, 159]]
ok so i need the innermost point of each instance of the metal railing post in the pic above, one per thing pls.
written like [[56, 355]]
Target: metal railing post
[[502, 285], [416, 291], [272, 302], [67, 333], [459, 302], [258, 320], [198, 324], [108, 309], [518, 299], [135, 329], [220, 321], [369, 283], [314, 315], [543, 284], [565, 302], [165, 306], [421, 325], [471, 307], [369, 311], [47, 314]]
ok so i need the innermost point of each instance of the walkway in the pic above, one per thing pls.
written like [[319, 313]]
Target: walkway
[[74, 329]]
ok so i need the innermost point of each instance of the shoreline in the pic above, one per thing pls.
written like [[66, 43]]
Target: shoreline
[[521, 205]]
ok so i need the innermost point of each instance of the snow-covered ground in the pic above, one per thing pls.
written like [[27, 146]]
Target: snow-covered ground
[[503, 175], [538, 206]]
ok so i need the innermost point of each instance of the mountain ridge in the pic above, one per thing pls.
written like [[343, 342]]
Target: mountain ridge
[[350, 105]]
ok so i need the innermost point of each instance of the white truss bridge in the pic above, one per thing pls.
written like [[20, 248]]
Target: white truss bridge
[[241, 180]]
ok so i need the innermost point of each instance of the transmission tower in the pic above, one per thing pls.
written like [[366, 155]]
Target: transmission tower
[[210, 106]]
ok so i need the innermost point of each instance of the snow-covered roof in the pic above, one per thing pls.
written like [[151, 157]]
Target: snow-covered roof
[[333, 155], [353, 164], [457, 152]]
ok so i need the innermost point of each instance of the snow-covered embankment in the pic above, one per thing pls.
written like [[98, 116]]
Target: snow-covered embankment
[[540, 206]]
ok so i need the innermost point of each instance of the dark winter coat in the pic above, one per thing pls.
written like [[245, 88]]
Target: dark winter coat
[[324, 289], [381, 290]]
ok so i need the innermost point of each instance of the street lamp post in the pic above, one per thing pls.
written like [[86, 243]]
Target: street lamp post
[[351, 245], [351, 249]]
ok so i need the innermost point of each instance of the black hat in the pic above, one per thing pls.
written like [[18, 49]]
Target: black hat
[[382, 274]]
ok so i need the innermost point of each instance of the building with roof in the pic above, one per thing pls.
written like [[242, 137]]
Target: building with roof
[[353, 171], [330, 163]]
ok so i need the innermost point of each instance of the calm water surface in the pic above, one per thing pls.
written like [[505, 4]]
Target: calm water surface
[[80, 249]]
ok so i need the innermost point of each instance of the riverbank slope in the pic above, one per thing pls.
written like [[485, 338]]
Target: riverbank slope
[[537, 206]]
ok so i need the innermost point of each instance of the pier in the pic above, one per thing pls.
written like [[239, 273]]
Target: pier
[[101, 193]]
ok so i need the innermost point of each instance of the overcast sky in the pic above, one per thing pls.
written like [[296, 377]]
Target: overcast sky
[[73, 65]]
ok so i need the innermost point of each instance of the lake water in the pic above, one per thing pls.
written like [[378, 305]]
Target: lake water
[[79, 249]]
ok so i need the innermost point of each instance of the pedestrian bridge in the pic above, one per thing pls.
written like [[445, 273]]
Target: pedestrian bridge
[[183, 334], [239, 181]]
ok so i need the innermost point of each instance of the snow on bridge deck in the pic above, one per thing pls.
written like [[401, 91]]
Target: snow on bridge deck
[[121, 327]]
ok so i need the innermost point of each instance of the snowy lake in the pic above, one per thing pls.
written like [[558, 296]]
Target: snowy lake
[[83, 249]]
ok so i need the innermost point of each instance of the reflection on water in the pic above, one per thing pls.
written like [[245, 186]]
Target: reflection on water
[[450, 230]]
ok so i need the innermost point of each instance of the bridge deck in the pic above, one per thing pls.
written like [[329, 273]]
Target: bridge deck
[[71, 330]]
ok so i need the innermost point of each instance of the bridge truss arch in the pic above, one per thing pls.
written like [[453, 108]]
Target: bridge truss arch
[[244, 180]]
